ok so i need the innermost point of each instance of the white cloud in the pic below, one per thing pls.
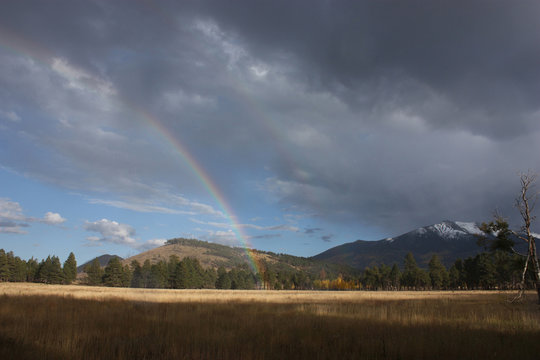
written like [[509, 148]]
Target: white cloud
[[205, 209], [196, 206], [280, 227], [53, 219], [172, 200], [211, 223], [227, 44], [259, 71], [111, 231], [80, 79], [227, 237], [13, 220], [152, 243], [11, 210], [140, 207]]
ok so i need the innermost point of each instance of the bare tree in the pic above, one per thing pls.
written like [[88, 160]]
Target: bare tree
[[525, 202]]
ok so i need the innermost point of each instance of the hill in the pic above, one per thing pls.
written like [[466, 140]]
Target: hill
[[450, 240], [212, 255], [208, 254], [103, 261]]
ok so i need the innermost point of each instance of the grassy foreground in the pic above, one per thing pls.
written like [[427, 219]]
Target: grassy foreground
[[47, 322]]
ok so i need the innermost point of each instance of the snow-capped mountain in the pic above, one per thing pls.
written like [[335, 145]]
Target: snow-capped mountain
[[451, 230], [449, 239]]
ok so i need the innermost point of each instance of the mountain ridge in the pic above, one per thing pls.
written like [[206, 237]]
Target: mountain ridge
[[214, 255], [449, 240]]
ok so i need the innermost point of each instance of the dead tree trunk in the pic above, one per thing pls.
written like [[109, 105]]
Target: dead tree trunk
[[526, 203]]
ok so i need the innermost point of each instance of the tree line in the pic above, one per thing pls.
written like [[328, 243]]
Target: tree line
[[189, 274], [49, 271], [488, 270], [484, 271]]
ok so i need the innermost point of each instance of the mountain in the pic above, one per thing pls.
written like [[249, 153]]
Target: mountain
[[208, 254], [103, 261], [450, 240], [211, 255]]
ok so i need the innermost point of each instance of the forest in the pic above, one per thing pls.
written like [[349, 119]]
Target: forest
[[487, 270]]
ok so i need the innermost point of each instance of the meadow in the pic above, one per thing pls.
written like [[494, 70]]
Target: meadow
[[79, 322]]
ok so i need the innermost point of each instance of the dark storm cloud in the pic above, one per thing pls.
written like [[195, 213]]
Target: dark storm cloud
[[480, 55], [444, 94], [392, 114]]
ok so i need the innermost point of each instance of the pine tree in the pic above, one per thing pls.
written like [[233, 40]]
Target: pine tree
[[269, 278], [5, 271], [136, 278], [372, 278], [94, 272], [486, 271], [395, 277], [146, 274], [210, 278], [56, 275], [70, 269], [171, 270], [44, 270], [114, 272], [437, 273], [50, 271], [223, 281], [158, 275], [411, 272], [462, 276], [189, 274], [18, 269], [32, 268], [126, 276], [182, 274], [385, 281], [454, 277], [423, 280]]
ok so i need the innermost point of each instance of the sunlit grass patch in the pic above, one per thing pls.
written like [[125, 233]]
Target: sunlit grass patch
[[255, 325]]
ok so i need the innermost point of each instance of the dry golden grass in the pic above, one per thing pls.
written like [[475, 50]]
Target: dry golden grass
[[213, 296], [76, 322]]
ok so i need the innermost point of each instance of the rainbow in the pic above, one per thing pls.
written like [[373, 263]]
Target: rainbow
[[205, 180], [24, 47]]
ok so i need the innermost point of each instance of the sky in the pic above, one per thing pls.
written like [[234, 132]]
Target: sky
[[286, 126]]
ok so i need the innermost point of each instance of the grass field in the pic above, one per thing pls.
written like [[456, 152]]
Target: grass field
[[77, 322]]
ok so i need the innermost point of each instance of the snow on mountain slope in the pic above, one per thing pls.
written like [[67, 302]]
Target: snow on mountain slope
[[450, 240], [450, 229], [470, 228], [446, 230]]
